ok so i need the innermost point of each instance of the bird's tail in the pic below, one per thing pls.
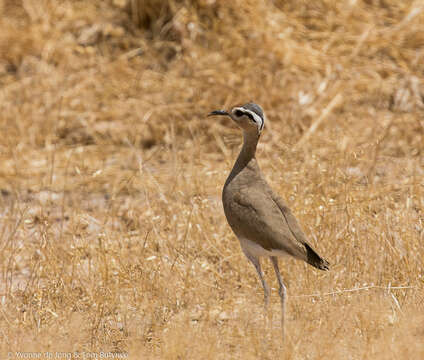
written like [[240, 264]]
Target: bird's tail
[[315, 260]]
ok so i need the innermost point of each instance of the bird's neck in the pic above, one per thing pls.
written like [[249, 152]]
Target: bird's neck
[[248, 150], [247, 154]]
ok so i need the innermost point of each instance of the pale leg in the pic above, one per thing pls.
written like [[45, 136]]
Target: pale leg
[[255, 261], [282, 291]]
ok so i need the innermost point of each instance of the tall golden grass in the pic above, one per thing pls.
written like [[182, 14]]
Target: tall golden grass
[[113, 237]]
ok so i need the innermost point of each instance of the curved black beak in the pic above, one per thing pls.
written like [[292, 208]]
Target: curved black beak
[[218, 112]]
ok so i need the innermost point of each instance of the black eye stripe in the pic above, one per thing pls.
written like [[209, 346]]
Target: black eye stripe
[[250, 116], [241, 113]]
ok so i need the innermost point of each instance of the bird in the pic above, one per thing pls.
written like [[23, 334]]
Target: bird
[[259, 217]]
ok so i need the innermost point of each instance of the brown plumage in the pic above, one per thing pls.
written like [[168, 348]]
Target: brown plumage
[[261, 220]]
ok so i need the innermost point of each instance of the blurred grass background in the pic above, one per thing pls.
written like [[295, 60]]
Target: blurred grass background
[[113, 236]]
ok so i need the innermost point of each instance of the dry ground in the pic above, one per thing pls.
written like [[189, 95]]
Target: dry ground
[[112, 233]]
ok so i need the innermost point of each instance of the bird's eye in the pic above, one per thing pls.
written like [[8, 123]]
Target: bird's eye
[[239, 113]]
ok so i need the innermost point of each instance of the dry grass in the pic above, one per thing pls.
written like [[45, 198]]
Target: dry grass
[[112, 233]]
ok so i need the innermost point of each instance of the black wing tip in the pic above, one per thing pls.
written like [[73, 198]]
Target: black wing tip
[[315, 260], [324, 265]]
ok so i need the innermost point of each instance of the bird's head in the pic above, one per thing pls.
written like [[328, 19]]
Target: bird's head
[[249, 117]]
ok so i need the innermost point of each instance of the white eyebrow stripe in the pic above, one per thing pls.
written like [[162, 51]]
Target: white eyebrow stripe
[[257, 118]]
